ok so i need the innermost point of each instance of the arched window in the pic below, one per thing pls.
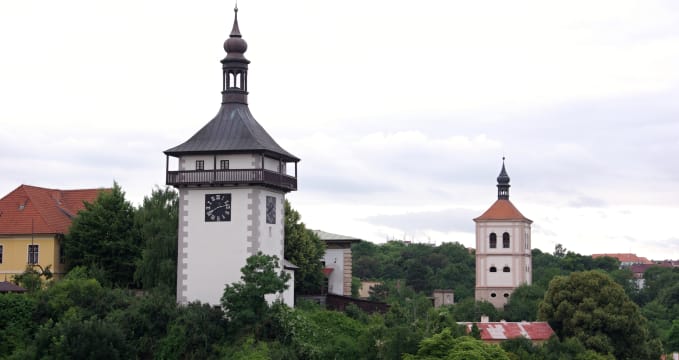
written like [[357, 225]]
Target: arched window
[[505, 240], [493, 269], [505, 269], [493, 240]]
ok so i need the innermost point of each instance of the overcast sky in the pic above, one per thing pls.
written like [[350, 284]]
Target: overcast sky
[[400, 110]]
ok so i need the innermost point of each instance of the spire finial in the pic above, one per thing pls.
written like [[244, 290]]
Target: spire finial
[[503, 183]]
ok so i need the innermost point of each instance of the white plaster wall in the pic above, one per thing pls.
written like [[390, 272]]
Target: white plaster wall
[[270, 235], [272, 164], [236, 161], [214, 252], [334, 258], [289, 293]]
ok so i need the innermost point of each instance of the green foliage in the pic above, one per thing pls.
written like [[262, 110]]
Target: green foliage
[[16, 321], [523, 304], [321, 334], [146, 319], [472, 310], [155, 223], [673, 338], [445, 346], [244, 302], [195, 333], [592, 308], [79, 337], [32, 278], [304, 249], [423, 267], [102, 236]]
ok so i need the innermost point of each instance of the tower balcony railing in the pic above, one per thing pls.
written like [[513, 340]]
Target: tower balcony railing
[[231, 177]]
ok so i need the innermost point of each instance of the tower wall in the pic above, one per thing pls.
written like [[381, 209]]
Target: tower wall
[[496, 286], [211, 254]]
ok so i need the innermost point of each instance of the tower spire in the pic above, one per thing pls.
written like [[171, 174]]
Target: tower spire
[[235, 66], [503, 183]]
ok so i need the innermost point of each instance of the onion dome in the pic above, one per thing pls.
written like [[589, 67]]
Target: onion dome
[[235, 46]]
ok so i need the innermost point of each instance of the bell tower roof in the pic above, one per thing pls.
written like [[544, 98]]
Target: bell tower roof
[[502, 209], [234, 129]]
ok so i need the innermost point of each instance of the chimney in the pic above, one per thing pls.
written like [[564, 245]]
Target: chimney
[[484, 318]]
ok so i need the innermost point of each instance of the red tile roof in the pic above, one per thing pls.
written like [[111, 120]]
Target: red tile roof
[[502, 209], [31, 209], [492, 331], [626, 258]]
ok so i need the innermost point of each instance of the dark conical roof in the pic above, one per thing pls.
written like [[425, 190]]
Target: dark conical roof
[[233, 130], [503, 183], [503, 178]]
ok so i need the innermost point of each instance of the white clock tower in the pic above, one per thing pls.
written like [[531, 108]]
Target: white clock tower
[[232, 179], [503, 250]]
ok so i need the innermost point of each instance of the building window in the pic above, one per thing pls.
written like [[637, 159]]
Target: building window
[[506, 295], [62, 259], [0, 254], [33, 254], [493, 269], [493, 240], [505, 240], [200, 165], [493, 295], [505, 269], [224, 164]]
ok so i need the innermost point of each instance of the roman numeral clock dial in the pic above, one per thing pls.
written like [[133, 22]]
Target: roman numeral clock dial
[[217, 207]]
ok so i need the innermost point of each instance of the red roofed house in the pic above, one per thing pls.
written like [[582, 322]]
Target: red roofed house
[[503, 250], [496, 332], [33, 221], [626, 259]]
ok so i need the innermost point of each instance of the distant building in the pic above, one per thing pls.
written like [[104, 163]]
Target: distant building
[[503, 248], [33, 222], [337, 261], [626, 259], [366, 286], [443, 297], [496, 332]]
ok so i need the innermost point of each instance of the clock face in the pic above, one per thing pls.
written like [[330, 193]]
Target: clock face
[[217, 207], [270, 210]]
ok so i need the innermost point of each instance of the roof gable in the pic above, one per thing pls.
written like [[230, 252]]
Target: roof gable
[[503, 209], [35, 210], [234, 129]]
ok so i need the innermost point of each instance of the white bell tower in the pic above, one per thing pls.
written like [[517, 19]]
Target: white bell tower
[[232, 179], [503, 249]]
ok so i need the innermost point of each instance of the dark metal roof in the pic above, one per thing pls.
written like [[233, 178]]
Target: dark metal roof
[[233, 130]]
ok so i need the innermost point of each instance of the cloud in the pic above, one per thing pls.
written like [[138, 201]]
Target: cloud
[[448, 220]]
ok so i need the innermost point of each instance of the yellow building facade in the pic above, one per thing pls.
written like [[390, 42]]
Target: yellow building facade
[[33, 223]]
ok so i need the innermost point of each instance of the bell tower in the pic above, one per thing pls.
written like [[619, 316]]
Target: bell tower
[[503, 249], [232, 179]]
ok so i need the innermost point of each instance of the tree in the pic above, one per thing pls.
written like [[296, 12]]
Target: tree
[[559, 251], [444, 346], [102, 236], [244, 302], [155, 222], [592, 308], [524, 302], [304, 249]]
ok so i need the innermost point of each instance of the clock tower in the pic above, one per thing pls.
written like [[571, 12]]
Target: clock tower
[[503, 250], [232, 179]]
